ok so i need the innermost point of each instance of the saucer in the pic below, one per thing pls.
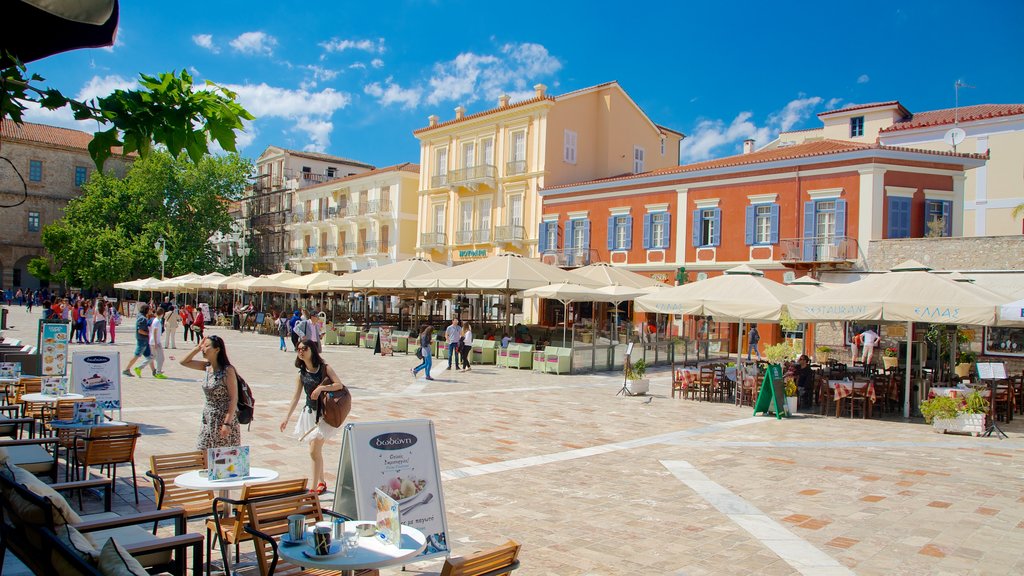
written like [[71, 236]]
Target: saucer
[[336, 550], [286, 538]]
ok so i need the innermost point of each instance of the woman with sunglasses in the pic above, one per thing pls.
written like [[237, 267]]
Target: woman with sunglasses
[[220, 423], [313, 372]]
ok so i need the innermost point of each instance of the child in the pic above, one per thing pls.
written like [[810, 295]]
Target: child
[[156, 343]]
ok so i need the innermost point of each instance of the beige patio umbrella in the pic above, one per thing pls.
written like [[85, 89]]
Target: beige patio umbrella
[[225, 282], [604, 274], [390, 276], [565, 293], [907, 293], [199, 282], [807, 285], [264, 284], [176, 284], [617, 294], [140, 284], [315, 282]]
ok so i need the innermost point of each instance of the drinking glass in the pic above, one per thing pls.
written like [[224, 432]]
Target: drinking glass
[[351, 541]]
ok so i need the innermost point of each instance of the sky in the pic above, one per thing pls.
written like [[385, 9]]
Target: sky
[[354, 79]]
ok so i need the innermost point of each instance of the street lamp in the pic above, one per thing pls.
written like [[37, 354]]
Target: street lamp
[[161, 245], [243, 249]]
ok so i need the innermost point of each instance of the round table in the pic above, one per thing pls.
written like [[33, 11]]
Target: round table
[[40, 397], [72, 425], [373, 552], [195, 481]]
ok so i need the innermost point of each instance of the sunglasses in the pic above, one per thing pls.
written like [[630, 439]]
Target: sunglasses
[[302, 349]]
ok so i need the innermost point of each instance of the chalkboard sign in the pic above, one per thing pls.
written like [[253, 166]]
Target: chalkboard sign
[[773, 391]]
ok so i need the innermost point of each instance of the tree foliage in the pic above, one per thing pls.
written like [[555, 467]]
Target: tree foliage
[[108, 234]]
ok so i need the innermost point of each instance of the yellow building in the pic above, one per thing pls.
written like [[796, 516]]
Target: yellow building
[[481, 172], [355, 222], [990, 192]]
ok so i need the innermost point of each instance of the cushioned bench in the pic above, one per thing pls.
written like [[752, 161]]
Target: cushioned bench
[[484, 351], [349, 335], [400, 341], [520, 356]]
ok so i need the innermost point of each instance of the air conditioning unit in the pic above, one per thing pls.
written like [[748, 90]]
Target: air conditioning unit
[[702, 276]]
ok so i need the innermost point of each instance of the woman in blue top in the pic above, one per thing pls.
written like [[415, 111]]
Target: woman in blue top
[[424, 341]]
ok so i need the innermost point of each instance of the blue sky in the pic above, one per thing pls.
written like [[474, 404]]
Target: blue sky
[[355, 79]]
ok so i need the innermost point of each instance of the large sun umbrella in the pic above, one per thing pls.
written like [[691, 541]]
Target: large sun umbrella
[[390, 276], [604, 274], [266, 284], [504, 272], [565, 293], [224, 283], [177, 283], [58, 26], [908, 293], [315, 282], [199, 282], [807, 285], [140, 284], [617, 294]]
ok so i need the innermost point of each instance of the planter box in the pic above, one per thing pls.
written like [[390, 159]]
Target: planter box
[[973, 424], [637, 387], [890, 362], [791, 404]]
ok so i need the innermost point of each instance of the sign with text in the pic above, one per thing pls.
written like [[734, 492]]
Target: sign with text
[[386, 345], [399, 458], [53, 347], [98, 374], [773, 391]]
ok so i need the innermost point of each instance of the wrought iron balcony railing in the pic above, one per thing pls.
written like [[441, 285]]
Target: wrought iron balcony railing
[[819, 249], [433, 239], [472, 236], [485, 173], [509, 234], [569, 257], [439, 181], [515, 167]]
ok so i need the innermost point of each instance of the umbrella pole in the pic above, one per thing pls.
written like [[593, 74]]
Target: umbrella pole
[[910, 364], [739, 347]]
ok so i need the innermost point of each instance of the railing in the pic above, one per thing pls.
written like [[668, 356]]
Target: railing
[[332, 212], [481, 173], [515, 167], [265, 183], [433, 239], [384, 207], [368, 247], [472, 236], [328, 250], [439, 181], [298, 217], [297, 253], [310, 216], [349, 249], [569, 257], [343, 211], [819, 249], [509, 234]]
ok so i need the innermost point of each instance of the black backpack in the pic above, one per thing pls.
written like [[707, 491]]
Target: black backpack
[[246, 403]]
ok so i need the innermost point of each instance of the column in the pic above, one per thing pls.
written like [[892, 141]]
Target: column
[[870, 208], [958, 201]]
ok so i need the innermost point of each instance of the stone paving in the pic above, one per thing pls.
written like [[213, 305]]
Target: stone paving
[[593, 483]]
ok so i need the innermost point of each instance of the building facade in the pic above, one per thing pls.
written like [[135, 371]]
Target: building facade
[[991, 192], [355, 222], [267, 204], [478, 189], [41, 169]]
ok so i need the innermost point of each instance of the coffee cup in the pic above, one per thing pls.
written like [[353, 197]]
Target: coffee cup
[[296, 526], [321, 541]]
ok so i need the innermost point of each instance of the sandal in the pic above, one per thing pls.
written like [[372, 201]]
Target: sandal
[[321, 487]]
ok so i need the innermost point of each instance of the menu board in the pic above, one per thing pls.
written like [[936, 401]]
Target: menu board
[[773, 391], [991, 370], [10, 370], [389, 523], [398, 458], [88, 412], [386, 346], [53, 347], [98, 374], [228, 462], [54, 386]]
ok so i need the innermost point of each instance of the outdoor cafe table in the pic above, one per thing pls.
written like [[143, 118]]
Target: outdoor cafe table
[[373, 552], [49, 398], [845, 388], [195, 481]]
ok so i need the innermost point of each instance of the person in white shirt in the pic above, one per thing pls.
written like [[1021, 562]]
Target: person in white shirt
[[868, 339], [467, 345], [171, 327], [156, 343]]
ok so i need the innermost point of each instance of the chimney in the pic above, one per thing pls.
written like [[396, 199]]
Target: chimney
[[748, 145], [432, 119], [460, 111], [503, 100], [540, 89]]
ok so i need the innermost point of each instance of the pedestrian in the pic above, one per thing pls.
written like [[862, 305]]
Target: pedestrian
[[315, 378], [805, 382], [90, 321], [753, 337], [142, 349], [283, 331], [75, 315], [171, 319], [868, 339], [114, 320], [156, 342], [295, 319], [300, 328], [313, 331], [187, 316], [30, 300], [219, 421], [466, 346], [451, 337], [199, 324], [99, 322], [424, 342]]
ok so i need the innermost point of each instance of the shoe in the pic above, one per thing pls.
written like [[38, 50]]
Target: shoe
[[321, 487], [413, 372], [429, 378], [160, 376], [126, 372], [138, 372]]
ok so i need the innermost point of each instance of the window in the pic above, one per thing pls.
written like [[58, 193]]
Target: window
[[707, 225], [81, 175], [331, 171], [569, 149], [385, 237], [466, 215], [515, 210], [656, 230], [35, 170], [518, 148], [825, 220], [287, 201], [824, 229], [856, 126], [620, 232], [938, 218], [899, 217], [307, 172], [638, 159], [578, 233], [468, 155], [662, 145], [547, 236], [33, 221], [487, 145], [762, 224], [439, 218], [484, 219], [441, 162]]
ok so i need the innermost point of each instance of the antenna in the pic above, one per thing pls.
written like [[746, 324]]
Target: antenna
[[955, 135]]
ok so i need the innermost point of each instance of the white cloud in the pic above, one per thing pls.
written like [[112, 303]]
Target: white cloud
[[118, 41], [470, 76], [206, 41], [357, 65], [309, 111], [321, 74], [710, 137], [863, 79], [377, 63], [392, 93], [254, 43], [195, 71], [833, 103], [341, 45], [319, 132]]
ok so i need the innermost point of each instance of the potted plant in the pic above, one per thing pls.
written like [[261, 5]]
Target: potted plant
[[890, 357], [781, 352], [964, 362], [636, 383], [823, 353], [965, 414], [791, 393]]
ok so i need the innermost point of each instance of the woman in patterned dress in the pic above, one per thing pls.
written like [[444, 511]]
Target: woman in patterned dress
[[220, 423]]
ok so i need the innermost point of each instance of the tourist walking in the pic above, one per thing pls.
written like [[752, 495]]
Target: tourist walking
[[199, 324], [753, 337], [90, 320], [295, 319], [424, 342], [114, 320], [156, 342], [313, 331], [171, 319], [315, 378], [187, 316], [219, 421], [282, 330], [99, 322], [142, 349], [451, 337], [466, 346]]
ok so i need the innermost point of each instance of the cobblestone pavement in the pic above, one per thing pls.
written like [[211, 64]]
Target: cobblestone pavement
[[593, 483]]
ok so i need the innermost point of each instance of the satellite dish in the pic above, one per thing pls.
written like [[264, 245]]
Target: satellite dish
[[702, 276], [954, 136]]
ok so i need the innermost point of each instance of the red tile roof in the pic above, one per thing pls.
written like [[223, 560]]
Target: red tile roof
[[484, 113], [806, 150], [965, 113], [327, 158], [43, 134], [896, 103]]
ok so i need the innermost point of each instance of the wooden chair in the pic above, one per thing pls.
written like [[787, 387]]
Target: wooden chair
[[231, 530], [1004, 399], [163, 468], [496, 561], [107, 447], [30, 385], [681, 381], [706, 381], [858, 397]]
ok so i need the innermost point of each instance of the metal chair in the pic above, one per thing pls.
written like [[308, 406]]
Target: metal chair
[[107, 447]]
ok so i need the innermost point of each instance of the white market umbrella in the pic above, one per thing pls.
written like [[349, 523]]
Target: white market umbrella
[[225, 282], [390, 276], [176, 284], [807, 285], [617, 294], [604, 274], [565, 293], [266, 284], [315, 282], [199, 282], [140, 284]]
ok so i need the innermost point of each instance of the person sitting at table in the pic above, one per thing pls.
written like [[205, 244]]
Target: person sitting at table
[[805, 381]]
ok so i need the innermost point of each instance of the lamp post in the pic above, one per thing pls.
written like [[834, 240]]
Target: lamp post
[[243, 249], [161, 245]]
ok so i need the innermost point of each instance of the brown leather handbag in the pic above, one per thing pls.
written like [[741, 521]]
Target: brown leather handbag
[[335, 406]]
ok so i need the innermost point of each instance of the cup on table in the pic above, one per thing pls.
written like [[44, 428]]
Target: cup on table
[[296, 526], [351, 542], [321, 540]]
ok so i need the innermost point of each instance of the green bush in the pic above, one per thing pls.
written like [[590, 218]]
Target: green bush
[[942, 407]]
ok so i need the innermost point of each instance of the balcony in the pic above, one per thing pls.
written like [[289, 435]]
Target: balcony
[[328, 250], [383, 209], [368, 247], [812, 252], [439, 181], [265, 183], [569, 257], [472, 236], [433, 240], [348, 249], [296, 253], [298, 217], [515, 167], [473, 176], [509, 235], [332, 212]]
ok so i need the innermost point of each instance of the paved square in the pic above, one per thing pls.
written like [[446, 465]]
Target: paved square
[[593, 483]]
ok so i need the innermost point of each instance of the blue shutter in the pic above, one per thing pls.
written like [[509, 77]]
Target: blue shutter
[[894, 219], [809, 231], [696, 228], [667, 234], [570, 226], [629, 232], [716, 238], [841, 220], [586, 235], [751, 221], [542, 237], [947, 218], [647, 231], [555, 226], [774, 234], [611, 233]]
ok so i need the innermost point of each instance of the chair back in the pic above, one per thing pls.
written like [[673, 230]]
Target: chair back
[[296, 487], [164, 468], [28, 385], [109, 445], [268, 519], [707, 374], [493, 562]]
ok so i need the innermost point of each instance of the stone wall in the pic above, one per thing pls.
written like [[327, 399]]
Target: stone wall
[[978, 253]]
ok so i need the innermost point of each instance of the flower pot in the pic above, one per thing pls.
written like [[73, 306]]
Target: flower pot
[[636, 387], [791, 404], [890, 362], [963, 370], [973, 424]]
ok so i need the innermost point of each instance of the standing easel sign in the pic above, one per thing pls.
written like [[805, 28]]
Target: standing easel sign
[[53, 347], [400, 459], [773, 391], [98, 374], [384, 336]]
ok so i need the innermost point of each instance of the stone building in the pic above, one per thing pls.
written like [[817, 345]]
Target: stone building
[[41, 169]]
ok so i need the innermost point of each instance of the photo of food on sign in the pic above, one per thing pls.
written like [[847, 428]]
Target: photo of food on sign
[[96, 382], [403, 488]]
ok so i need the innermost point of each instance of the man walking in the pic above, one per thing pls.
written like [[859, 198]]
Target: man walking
[[142, 349], [452, 335], [753, 337]]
